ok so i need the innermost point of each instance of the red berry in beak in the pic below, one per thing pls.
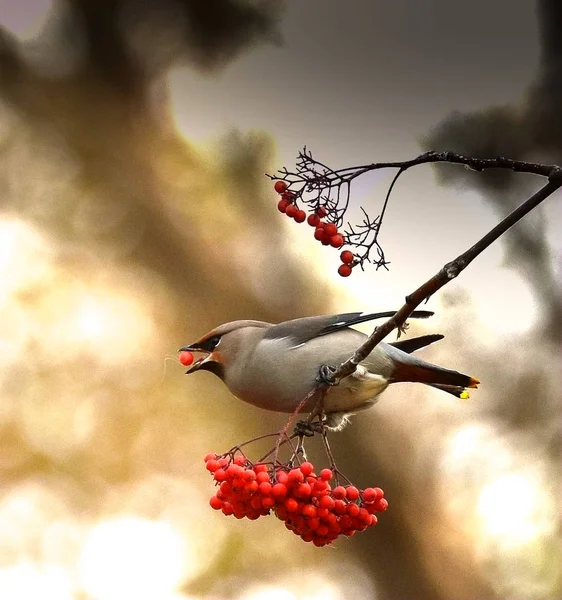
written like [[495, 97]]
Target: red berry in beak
[[185, 357]]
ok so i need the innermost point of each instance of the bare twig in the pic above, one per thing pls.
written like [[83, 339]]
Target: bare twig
[[447, 273], [316, 184]]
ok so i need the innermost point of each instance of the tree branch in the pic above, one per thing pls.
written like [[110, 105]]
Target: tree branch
[[448, 272]]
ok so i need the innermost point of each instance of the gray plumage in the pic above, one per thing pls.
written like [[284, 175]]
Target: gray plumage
[[274, 367]]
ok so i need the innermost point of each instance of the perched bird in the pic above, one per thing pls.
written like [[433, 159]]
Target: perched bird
[[275, 366]]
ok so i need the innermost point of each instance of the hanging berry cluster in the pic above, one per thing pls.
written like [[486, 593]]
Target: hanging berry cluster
[[326, 232], [306, 502]]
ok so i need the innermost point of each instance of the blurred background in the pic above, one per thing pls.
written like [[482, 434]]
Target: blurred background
[[135, 216]]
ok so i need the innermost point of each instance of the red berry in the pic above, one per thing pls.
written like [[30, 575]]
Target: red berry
[[326, 474], [339, 492], [321, 211], [344, 270], [282, 206], [210, 456], [326, 502], [185, 357], [291, 211], [306, 468], [220, 475], [212, 465], [289, 196], [295, 476], [313, 220], [265, 488], [347, 257], [216, 503], [262, 476], [309, 511], [330, 229], [280, 186], [319, 234], [369, 495], [303, 490], [300, 216], [381, 504], [351, 492], [267, 502], [291, 505], [337, 241], [279, 491]]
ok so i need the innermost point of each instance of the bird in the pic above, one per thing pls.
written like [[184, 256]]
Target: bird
[[275, 366]]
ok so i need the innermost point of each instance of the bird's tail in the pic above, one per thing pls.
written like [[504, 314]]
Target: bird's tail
[[416, 370]]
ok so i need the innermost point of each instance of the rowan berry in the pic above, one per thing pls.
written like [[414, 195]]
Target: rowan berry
[[369, 495], [303, 490], [216, 503], [212, 465], [347, 257], [280, 186], [381, 504], [306, 468], [309, 511], [330, 229], [344, 270], [313, 220], [351, 493], [319, 234], [279, 491], [185, 357], [291, 211], [282, 206], [326, 474], [291, 505], [295, 476], [300, 216], [337, 241], [326, 502], [339, 492]]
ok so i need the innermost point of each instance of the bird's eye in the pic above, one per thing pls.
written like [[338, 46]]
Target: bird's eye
[[212, 342]]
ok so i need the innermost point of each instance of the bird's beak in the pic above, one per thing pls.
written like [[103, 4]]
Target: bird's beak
[[195, 366]]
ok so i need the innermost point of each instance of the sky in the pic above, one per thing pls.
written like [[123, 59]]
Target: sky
[[363, 85]]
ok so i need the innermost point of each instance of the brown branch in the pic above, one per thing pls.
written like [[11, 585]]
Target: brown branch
[[316, 184], [449, 271]]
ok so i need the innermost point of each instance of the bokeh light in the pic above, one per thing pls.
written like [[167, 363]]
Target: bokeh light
[[132, 558]]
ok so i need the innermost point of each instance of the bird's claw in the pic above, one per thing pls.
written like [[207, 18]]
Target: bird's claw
[[308, 429], [325, 375]]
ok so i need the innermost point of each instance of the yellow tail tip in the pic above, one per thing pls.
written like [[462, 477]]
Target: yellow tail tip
[[464, 395], [473, 382]]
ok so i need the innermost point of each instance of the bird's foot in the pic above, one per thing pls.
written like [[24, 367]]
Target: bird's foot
[[308, 429], [325, 375]]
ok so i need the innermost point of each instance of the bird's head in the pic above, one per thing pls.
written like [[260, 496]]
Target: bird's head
[[221, 346]]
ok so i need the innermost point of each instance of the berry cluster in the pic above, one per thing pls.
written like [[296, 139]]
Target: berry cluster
[[325, 232], [307, 503]]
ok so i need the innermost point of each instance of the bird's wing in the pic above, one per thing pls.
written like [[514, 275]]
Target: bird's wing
[[306, 328], [416, 343]]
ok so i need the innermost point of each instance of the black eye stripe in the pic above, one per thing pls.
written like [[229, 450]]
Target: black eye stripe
[[211, 343]]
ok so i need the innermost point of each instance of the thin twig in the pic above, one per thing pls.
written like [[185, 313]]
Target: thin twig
[[449, 272]]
